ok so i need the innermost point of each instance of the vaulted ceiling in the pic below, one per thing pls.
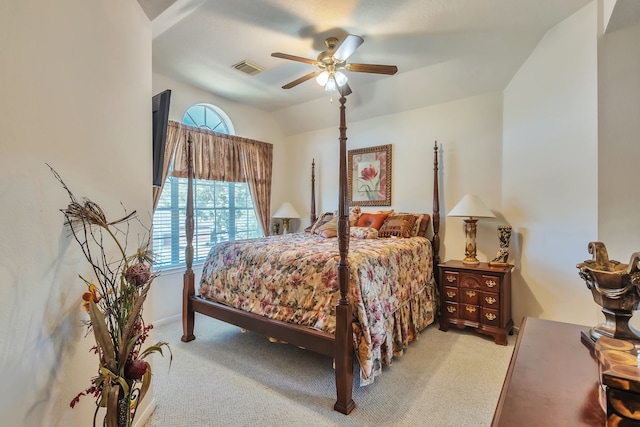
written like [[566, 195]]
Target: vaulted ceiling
[[444, 49]]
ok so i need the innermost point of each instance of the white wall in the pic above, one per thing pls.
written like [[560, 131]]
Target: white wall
[[75, 92], [619, 147], [619, 142], [550, 171]]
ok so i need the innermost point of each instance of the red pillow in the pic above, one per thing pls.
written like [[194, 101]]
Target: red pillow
[[371, 220]]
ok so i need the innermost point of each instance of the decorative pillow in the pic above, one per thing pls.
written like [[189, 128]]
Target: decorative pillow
[[421, 225], [322, 219], [388, 212], [363, 232], [424, 224], [398, 225], [415, 231], [354, 214], [329, 229], [332, 232], [371, 220]]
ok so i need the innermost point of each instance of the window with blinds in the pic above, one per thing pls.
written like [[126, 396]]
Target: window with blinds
[[223, 211]]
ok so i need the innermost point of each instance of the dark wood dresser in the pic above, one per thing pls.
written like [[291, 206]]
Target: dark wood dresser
[[552, 379], [477, 296]]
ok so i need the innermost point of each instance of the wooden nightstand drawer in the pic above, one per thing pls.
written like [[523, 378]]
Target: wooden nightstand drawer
[[490, 317], [450, 294], [469, 281], [490, 283], [470, 312], [450, 278], [450, 310], [470, 296], [490, 300]]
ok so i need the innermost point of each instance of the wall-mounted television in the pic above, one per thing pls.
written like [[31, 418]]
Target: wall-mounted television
[[160, 104]]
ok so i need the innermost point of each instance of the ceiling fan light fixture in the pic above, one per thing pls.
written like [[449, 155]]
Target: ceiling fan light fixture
[[340, 78], [332, 62], [322, 78], [331, 85]]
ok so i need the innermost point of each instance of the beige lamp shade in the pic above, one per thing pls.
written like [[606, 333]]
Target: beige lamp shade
[[286, 211], [472, 208]]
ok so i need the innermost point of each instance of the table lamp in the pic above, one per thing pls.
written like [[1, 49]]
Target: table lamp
[[285, 212], [472, 208]]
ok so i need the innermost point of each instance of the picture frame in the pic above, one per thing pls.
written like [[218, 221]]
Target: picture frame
[[369, 176]]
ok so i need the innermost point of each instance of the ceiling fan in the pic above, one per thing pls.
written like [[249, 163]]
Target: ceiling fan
[[332, 62]]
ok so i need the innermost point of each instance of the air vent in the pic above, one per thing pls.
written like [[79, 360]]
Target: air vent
[[248, 67]]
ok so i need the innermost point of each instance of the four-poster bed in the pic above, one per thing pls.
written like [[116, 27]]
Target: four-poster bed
[[339, 343]]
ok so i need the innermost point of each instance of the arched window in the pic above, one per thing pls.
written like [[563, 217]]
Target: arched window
[[209, 117], [223, 211]]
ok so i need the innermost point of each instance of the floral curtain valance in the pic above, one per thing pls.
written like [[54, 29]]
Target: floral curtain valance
[[216, 156], [221, 157]]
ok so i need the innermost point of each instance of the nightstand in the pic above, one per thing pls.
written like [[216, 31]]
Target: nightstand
[[476, 296]]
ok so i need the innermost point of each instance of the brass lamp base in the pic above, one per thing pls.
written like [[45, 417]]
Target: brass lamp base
[[285, 225], [470, 247]]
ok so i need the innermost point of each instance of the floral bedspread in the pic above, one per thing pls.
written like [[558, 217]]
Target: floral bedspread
[[294, 278]]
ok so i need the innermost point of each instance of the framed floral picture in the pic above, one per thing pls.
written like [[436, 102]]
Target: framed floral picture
[[369, 179]]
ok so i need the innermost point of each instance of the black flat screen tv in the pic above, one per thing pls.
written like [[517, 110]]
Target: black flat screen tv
[[160, 121]]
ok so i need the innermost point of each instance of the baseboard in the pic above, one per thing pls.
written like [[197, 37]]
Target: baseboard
[[167, 320], [142, 418]]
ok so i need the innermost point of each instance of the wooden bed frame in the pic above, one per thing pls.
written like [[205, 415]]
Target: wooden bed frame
[[338, 346]]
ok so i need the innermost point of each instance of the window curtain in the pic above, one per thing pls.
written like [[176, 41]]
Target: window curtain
[[174, 131], [228, 158], [257, 160]]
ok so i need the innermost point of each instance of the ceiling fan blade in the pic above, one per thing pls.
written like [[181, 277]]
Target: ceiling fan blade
[[294, 58], [372, 68], [347, 47], [345, 89], [302, 79]]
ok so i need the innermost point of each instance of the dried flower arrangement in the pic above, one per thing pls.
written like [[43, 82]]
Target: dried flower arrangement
[[114, 301]]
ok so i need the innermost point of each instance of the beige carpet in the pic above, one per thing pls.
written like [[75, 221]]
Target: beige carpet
[[229, 378]]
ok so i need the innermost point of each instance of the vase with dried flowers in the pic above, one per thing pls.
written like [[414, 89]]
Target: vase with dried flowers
[[114, 300]]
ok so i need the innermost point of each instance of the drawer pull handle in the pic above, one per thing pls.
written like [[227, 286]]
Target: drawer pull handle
[[471, 294], [490, 300], [451, 279], [451, 309], [471, 309], [490, 316], [451, 294], [490, 283]]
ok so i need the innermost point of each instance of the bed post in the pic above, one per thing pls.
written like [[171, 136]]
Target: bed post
[[344, 328], [188, 285], [313, 191], [436, 212]]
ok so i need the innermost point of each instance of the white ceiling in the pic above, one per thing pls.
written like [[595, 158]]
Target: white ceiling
[[484, 41]]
